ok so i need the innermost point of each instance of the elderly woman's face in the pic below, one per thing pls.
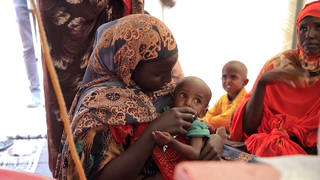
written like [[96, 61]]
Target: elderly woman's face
[[151, 76], [309, 35]]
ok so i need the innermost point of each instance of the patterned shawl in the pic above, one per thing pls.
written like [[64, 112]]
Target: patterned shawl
[[109, 108]]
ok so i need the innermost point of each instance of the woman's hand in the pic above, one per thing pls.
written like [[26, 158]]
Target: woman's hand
[[212, 150], [288, 76], [175, 121]]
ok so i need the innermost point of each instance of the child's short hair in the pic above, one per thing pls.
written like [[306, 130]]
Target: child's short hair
[[193, 78], [242, 67]]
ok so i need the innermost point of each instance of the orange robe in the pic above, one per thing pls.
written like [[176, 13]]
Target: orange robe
[[288, 112], [221, 113]]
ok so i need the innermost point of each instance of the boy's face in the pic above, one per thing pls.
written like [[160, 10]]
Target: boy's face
[[193, 95], [232, 80]]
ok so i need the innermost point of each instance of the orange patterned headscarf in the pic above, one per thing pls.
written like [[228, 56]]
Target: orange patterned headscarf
[[120, 45]]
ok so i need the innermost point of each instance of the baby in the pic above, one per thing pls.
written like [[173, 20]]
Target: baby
[[195, 93]]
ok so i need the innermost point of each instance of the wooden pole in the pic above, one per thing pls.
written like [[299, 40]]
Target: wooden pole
[[57, 90]]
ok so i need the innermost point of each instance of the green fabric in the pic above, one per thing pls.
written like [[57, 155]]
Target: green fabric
[[198, 129]]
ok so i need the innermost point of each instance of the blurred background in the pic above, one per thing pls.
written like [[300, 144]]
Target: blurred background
[[211, 33]]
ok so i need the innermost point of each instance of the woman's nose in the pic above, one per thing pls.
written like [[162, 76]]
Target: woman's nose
[[167, 79]]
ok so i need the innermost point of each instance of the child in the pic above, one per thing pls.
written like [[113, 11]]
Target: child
[[195, 93], [234, 79]]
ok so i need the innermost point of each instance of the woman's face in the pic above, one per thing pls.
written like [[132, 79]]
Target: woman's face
[[309, 35], [151, 76]]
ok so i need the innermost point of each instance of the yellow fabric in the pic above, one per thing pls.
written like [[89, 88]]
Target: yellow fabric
[[220, 114]]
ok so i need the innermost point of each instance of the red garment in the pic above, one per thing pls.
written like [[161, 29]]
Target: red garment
[[287, 112], [167, 161], [127, 7]]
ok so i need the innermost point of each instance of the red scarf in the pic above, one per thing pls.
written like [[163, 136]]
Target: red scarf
[[309, 62], [127, 7]]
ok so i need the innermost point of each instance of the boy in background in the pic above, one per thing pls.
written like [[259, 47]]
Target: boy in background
[[234, 79]]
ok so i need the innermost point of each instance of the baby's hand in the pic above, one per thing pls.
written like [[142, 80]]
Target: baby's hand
[[162, 138], [222, 132]]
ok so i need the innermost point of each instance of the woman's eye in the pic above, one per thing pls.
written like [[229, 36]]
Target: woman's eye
[[302, 28]]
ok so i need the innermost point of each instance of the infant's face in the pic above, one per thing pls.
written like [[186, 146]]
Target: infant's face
[[192, 96]]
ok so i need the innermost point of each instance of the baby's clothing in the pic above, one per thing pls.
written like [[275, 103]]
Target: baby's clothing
[[198, 129]]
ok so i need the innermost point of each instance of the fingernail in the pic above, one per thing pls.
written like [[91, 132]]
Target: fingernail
[[293, 84]]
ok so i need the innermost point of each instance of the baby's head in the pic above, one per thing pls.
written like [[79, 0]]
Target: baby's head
[[234, 78], [192, 92]]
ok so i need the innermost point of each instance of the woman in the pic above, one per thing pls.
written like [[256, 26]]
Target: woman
[[70, 27], [126, 85], [281, 114]]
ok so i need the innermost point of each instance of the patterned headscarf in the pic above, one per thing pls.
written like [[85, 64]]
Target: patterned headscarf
[[120, 45], [109, 107], [310, 63]]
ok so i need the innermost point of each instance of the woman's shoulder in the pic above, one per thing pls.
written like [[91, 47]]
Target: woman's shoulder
[[285, 59]]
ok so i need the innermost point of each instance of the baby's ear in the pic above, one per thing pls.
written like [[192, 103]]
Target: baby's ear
[[203, 113]]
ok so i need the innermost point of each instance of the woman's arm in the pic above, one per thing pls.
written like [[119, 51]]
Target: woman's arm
[[254, 108], [129, 164], [131, 161]]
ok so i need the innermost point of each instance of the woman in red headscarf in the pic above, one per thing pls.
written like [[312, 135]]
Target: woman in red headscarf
[[280, 116]]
